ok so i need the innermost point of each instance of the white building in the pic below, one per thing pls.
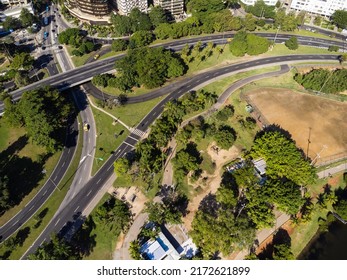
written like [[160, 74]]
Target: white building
[[125, 6], [321, 7], [14, 2], [15, 11], [267, 2], [175, 7]]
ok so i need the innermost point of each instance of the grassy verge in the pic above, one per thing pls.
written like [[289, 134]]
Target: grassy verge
[[49, 208], [78, 60], [28, 155], [132, 114], [106, 141]]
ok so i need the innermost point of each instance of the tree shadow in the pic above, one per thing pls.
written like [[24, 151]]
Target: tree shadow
[[22, 172], [22, 235], [274, 128], [83, 240], [6, 255], [210, 205]]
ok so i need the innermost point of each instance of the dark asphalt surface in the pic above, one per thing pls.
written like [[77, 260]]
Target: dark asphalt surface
[[70, 216], [86, 72]]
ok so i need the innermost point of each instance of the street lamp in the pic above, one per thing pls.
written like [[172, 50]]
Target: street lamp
[[278, 29]]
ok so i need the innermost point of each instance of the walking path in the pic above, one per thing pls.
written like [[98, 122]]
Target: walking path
[[332, 170], [107, 113]]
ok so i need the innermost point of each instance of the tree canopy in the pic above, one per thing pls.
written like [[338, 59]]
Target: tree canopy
[[283, 158], [248, 43], [339, 17]]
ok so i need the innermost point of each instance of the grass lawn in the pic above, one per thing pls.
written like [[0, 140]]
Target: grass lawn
[[132, 114], [106, 141], [24, 157], [78, 60], [34, 226]]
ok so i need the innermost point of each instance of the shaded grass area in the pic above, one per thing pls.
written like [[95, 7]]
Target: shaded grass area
[[36, 224], [106, 142], [105, 241], [23, 161], [132, 114]]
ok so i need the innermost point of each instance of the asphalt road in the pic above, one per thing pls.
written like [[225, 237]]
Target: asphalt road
[[85, 73], [70, 215]]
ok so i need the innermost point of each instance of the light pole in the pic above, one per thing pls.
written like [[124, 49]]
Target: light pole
[[44, 171], [278, 29]]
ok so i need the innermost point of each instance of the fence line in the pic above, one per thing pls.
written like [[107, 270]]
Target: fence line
[[330, 159]]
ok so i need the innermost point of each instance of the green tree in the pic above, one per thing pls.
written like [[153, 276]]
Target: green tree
[[140, 39], [21, 79], [250, 22], [225, 113], [56, 249], [256, 44], [225, 137], [139, 21], [119, 45], [317, 20], [159, 214], [22, 61], [282, 252], [157, 16], [121, 166], [163, 31], [341, 208], [333, 49], [122, 24], [11, 23], [26, 18], [339, 18], [70, 36], [134, 250], [283, 159], [238, 45], [292, 43], [4, 194]]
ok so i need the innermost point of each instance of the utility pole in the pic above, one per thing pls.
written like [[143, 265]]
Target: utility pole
[[278, 29]]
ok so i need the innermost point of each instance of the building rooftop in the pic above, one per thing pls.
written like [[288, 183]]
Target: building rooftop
[[260, 165]]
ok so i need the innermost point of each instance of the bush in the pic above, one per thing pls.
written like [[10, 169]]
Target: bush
[[119, 45], [292, 43], [333, 49]]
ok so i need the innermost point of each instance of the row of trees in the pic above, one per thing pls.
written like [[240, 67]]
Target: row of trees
[[323, 80], [251, 44], [25, 19]]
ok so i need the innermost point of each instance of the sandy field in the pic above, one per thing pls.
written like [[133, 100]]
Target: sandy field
[[320, 120]]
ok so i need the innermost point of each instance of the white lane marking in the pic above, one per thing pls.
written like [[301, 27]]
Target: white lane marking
[[133, 138], [90, 191], [84, 167], [129, 144], [76, 209], [44, 193], [109, 167], [57, 222], [63, 164], [55, 178], [98, 181], [31, 208], [79, 181], [68, 151], [16, 222]]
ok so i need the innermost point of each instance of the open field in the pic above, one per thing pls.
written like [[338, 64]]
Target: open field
[[307, 118]]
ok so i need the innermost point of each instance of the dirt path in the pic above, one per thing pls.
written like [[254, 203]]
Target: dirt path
[[212, 183]]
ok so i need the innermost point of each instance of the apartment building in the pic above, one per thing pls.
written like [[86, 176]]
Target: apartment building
[[124, 7], [174, 7], [96, 8], [267, 2], [321, 7], [15, 2]]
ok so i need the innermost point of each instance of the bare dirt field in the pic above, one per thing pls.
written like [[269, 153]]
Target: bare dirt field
[[306, 117]]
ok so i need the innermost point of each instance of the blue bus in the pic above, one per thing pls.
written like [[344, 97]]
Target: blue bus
[[45, 35], [45, 20]]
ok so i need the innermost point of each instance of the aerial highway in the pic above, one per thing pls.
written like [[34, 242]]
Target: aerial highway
[[85, 73], [70, 215]]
